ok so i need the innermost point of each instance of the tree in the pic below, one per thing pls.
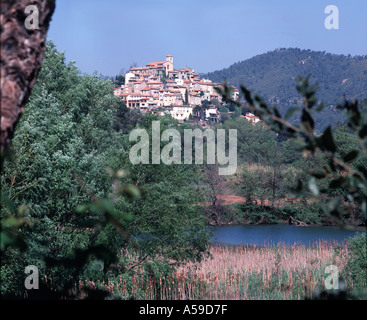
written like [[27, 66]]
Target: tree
[[120, 79], [341, 173], [126, 119], [214, 185], [357, 263], [167, 227], [255, 141], [276, 84], [21, 58], [186, 97], [164, 75], [250, 184], [61, 149]]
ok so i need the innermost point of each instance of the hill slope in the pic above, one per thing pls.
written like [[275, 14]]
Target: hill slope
[[273, 76]]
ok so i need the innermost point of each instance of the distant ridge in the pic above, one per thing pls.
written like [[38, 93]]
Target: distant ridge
[[273, 76]]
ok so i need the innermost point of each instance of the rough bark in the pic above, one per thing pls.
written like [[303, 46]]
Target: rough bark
[[22, 52]]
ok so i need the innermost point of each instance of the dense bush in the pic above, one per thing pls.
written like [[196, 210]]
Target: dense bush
[[357, 262]]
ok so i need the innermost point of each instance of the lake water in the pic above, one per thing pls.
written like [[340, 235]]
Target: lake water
[[261, 235]]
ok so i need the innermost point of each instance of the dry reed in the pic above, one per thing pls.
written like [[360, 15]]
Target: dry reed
[[236, 273]]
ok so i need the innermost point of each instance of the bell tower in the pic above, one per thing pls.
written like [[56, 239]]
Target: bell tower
[[169, 58], [168, 64]]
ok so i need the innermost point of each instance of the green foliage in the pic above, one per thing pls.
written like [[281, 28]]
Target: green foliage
[[119, 80], [72, 215], [186, 101], [65, 213], [312, 214], [357, 263], [60, 151], [164, 75], [336, 172], [126, 119], [255, 143], [11, 224], [166, 224]]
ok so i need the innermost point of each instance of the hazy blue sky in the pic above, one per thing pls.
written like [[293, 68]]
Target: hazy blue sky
[[207, 35]]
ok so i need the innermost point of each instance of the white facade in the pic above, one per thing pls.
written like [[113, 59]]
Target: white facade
[[181, 112], [128, 76]]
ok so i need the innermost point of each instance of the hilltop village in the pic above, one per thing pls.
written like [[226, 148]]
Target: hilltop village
[[161, 89]]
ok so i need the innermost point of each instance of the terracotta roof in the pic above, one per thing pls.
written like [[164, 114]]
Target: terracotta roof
[[138, 95], [138, 68], [155, 63]]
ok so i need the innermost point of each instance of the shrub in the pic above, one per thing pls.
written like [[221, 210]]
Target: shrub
[[357, 263]]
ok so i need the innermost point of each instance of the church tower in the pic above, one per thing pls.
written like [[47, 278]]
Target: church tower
[[168, 63], [169, 58]]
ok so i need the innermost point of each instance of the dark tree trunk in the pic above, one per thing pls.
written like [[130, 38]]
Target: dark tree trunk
[[22, 52]]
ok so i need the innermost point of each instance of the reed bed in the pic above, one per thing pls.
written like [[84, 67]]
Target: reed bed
[[241, 272]]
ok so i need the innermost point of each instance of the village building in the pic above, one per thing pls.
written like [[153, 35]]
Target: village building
[[181, 112], [251, 117], [158, 85], [211, 113]]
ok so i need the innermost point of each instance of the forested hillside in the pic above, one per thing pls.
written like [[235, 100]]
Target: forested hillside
[[273, 76]]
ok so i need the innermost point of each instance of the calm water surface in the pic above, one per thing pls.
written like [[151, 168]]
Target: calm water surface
[[278, 234]]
